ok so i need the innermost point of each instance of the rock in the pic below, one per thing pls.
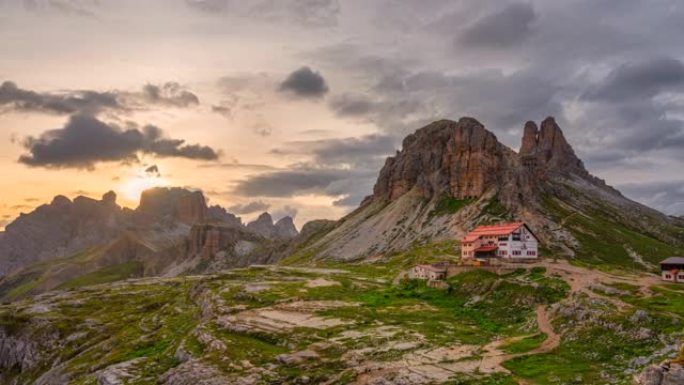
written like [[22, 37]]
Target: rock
[[59, 229], [121, 373], [460, 159], [172, 204], [547, 150], [285, 228], [220, 214], [297, 357], [263, 226], [665, 374], [640, 316]]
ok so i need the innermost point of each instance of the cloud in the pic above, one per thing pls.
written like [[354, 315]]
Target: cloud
[[89, 102], [667, 196], [502, 28], [85, 140], [248, 208], [13, 97], [170, 93], [344, 168], [285, 211], [644, 79], [300, 13], [84, 8], [152, 170], [305, 83]]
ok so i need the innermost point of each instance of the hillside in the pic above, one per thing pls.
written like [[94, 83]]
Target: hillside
[[452, 176], [547, 324]]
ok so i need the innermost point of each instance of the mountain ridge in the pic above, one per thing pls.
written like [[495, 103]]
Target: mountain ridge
[[452, 176]]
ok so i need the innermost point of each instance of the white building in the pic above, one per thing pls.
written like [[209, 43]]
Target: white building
[[506, 240], [672, 269], [434, 272]]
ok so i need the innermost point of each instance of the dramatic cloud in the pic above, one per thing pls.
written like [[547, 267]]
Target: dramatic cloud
[[88, 102], [248, 208], [502, 28], [13, 97], [85, 140], [345, 168], [640, 80], [305, 83]]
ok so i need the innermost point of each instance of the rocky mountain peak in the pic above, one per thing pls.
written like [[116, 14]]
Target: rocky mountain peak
[[173, 204], [60, 201], [461, 159], [264, 226], [109, 197], [285, 228], [546, 149]]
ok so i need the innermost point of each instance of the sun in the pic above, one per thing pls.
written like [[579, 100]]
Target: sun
[[133, 188]]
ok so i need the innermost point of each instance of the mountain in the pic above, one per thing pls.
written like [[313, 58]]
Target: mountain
[[59, 228], [452, 176], [69, 244]]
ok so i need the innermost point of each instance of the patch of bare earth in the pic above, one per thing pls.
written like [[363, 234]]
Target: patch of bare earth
[[322, 282], [284, 317]]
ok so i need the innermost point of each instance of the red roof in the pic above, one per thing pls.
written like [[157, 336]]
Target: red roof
[[493, 230], [484, 249]]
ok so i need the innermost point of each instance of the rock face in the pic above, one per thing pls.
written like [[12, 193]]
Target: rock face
[[666, 374], [461, 159], [546, 150], [58, 229], [218, 213], [284, 229], [172, 204]]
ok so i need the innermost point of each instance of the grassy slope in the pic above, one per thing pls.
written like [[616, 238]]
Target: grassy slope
[[152, 320], [604, 238]]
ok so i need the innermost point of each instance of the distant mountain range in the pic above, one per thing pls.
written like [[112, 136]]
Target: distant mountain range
[[448, 178], [171, 232]]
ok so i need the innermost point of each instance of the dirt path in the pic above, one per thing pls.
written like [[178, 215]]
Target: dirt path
[[438, 365]]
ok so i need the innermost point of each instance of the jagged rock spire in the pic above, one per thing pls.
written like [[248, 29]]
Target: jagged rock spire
[[546, 149]]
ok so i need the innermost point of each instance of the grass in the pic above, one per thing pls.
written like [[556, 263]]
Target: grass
[[448, 205], [105, 275], [525, 344], [604, 237]]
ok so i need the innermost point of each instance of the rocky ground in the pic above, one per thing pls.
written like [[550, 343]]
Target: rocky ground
[[551, 323]]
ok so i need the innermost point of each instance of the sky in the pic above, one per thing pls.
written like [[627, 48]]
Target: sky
[[292, 106]]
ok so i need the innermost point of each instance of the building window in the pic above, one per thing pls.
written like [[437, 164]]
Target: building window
[[503, 237], [516, 236], [668, 276]]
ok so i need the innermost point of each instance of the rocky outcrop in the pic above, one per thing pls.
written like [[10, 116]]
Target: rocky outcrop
[[284, 229], [546, 150], [218, 213], [460, 159], [207, 239], [664, 374], [59, 229], [171, 205]]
